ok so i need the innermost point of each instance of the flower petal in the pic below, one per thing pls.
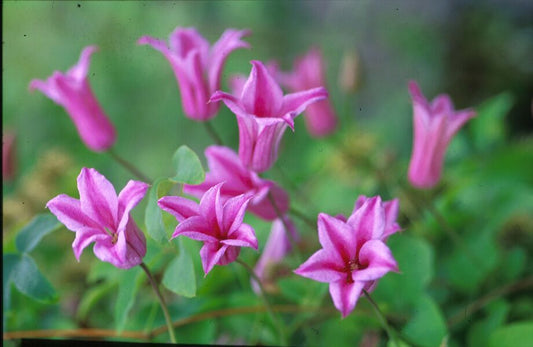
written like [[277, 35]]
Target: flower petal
[[261, 95], [233, 213], [179, 207], [244, 236], [377, 258], [228, 42], [323, 266], [98, 198], [210, 254], [211, 207], [368, 220], [345, 295], [295, 103], [128, 198], [184, 41], [337, 237], [85, 237], [68, 211], [196, 228], [80, 70]]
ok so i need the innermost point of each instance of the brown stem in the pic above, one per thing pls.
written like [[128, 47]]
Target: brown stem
[[212, 132]]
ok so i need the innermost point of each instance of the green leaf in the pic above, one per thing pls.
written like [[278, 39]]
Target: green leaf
[[127, 288], [179, 276], [415, 261], [478, 334], [9, 263], [188, 167], [427, 327], [488, 127], [153, 217], [92, 296], [28, 238], [512, 335], [29, 280]]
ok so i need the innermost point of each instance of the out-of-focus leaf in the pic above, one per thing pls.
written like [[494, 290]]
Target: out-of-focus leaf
[[467, 271], [9, 263], [488, 127], [302, 290], [128, 286], [415, 261], [198, 333], [427, 327], [29, 280], [179, 276], [28, 238], [513, 335], [478, 334], [188, 167], [513, 264], [91, 297], [152, 216]]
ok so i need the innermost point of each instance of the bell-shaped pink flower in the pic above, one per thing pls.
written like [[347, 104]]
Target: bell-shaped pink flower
[[434, 125], [73, 92], [309, 72], [9, 159], [101, 217], [197, 66], [219, 225], [353, 255], [263, 113], [225, 166], [278, 245]]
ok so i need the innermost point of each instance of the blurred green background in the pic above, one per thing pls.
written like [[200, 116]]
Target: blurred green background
[[479, 52]]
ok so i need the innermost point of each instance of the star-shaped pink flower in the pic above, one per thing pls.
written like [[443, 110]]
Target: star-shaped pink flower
[[225, 166], [353, 255], [101, 217], [219, 225], [263, 113]]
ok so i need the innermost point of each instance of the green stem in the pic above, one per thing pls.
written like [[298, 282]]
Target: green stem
[[128, 166], [212, 132], [274, 318], [161, 301], [382, 319]]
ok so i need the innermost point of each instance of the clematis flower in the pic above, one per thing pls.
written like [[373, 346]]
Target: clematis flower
[[218, 224], [353, 255], [197, 66], [277, 246], [309, 72], [73, 92], [9, 163], [434, 126], [225, 166], [101, 217], [391, 214], [263, 113]]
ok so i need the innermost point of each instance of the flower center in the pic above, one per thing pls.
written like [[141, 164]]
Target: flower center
[[353, 265], [114, 236]]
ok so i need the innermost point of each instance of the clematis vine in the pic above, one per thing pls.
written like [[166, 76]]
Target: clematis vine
[[216, 223], [73, 92], [225, 166], [101, 217], [353, 254], [263, 113], [276, 248], [434, 125], [309, 72], [197, 66]]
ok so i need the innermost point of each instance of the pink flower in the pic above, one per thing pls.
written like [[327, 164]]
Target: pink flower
[[353, 255], [434, 126], [73, 92], [197, 66], [309, 72], [8, 156], [218, 224], [225, 166], [263, 113], [277, 246], [101, 217], [391, 214]]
